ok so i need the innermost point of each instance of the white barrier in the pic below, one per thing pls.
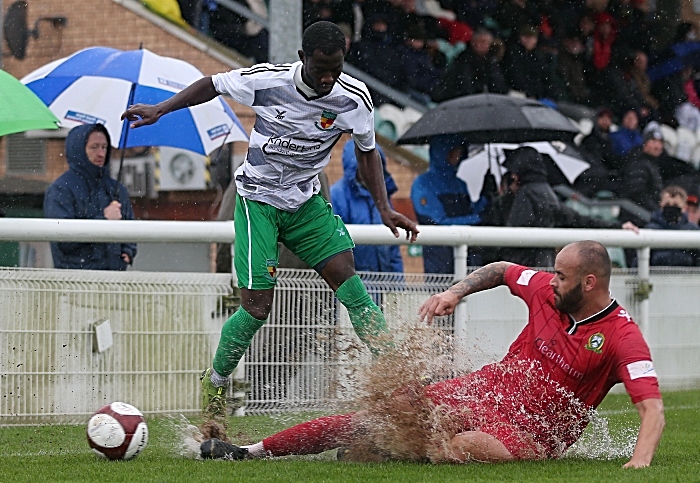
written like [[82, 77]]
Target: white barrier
[[162, 330], [42, 229], [288, 363]]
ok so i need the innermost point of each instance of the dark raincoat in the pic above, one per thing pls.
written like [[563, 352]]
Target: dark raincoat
[[672, 257], [83, 192], [534, 205]]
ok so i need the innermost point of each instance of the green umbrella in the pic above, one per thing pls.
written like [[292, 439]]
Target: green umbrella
[[21, 109]]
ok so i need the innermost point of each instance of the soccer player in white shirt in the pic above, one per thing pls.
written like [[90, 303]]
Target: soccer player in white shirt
[[302, 109]]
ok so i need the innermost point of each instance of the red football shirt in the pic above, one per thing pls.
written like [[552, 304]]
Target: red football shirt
[[589, 356]]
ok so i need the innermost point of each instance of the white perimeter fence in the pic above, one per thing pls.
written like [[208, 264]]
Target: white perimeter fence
[[57, 364]]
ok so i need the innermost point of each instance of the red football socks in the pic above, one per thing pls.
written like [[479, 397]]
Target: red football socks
[[311, 437]]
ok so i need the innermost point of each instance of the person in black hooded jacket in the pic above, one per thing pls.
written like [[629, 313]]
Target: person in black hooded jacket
[[528, 200], [534, 204], [87, 192]]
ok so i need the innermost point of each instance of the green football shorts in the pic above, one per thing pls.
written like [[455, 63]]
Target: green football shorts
[[312, 232]]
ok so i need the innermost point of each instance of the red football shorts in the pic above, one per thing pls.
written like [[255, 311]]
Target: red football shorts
[[531, 416]]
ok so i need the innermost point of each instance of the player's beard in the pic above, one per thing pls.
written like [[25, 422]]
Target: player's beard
[[571, 301]]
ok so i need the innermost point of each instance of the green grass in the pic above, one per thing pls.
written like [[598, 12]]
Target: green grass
[[60, 453]]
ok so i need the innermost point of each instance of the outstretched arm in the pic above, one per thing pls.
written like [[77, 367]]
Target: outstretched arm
[[489, 276], [651, 412], [198, 92], [369, 165]]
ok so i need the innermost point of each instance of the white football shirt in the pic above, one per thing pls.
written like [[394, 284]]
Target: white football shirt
[[294, 133]]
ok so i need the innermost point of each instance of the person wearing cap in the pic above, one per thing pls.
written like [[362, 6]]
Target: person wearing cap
[[693, 209], [473, 71], [671, 215], [419, 75], [571, 67], [598, 143], [641, 179], [525, 66]]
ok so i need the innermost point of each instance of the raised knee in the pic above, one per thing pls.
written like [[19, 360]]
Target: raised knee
[[258, 303], [259, 311]]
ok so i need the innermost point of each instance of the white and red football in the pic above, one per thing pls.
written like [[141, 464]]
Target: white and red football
[[117, 431]]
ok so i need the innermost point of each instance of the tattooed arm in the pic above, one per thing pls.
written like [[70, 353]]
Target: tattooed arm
[[489, 276]]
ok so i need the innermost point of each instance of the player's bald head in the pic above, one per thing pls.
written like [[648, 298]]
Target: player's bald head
[[591, 258]]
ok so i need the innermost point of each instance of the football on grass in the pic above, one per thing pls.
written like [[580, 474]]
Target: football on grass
[[117, 431]]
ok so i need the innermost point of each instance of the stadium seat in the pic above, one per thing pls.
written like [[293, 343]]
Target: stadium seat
[[695, 160], [617, 257], [670, 139], [409, 117], [450, 51], [585, 126], [385, 128], [402, 119], [686, 144], [390, 119]]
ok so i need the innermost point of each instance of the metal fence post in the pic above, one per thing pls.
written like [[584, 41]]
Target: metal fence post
[[238, 375], [643, 257], [460, 315]]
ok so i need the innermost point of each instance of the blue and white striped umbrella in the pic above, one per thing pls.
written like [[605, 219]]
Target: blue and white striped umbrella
[[97, 84]]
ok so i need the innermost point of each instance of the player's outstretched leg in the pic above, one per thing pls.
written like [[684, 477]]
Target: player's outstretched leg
[[311, 437], [236, 335], [366, 317]]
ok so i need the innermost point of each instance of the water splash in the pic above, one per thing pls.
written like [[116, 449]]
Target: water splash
[[187, 437], [400, 421], [601, 443], [397, 421]]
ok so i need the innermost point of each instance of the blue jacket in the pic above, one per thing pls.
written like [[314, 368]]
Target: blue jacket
[[623, 140], [440, 198], [672, 257], [83, 192], [354, 204]]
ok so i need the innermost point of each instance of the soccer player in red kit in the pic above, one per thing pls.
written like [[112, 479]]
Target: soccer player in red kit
[[536, 401]]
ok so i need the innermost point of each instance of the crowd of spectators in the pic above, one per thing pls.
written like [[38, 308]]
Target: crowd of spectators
[[596, 53], [590, 52]]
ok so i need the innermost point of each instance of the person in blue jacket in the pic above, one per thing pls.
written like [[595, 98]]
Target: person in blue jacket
[[87, 192], [440, 198], [628, 135], [353, 203]]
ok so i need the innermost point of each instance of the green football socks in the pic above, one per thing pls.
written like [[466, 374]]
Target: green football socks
[[366, 317], [236, 335]]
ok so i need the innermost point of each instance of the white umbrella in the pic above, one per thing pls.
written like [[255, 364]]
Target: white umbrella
[[473, 169], [491, 157]]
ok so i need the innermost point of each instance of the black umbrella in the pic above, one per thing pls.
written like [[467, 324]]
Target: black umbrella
[[492, 118]]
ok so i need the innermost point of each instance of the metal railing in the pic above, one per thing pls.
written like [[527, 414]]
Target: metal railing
[[460, 237], [166, 327]]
